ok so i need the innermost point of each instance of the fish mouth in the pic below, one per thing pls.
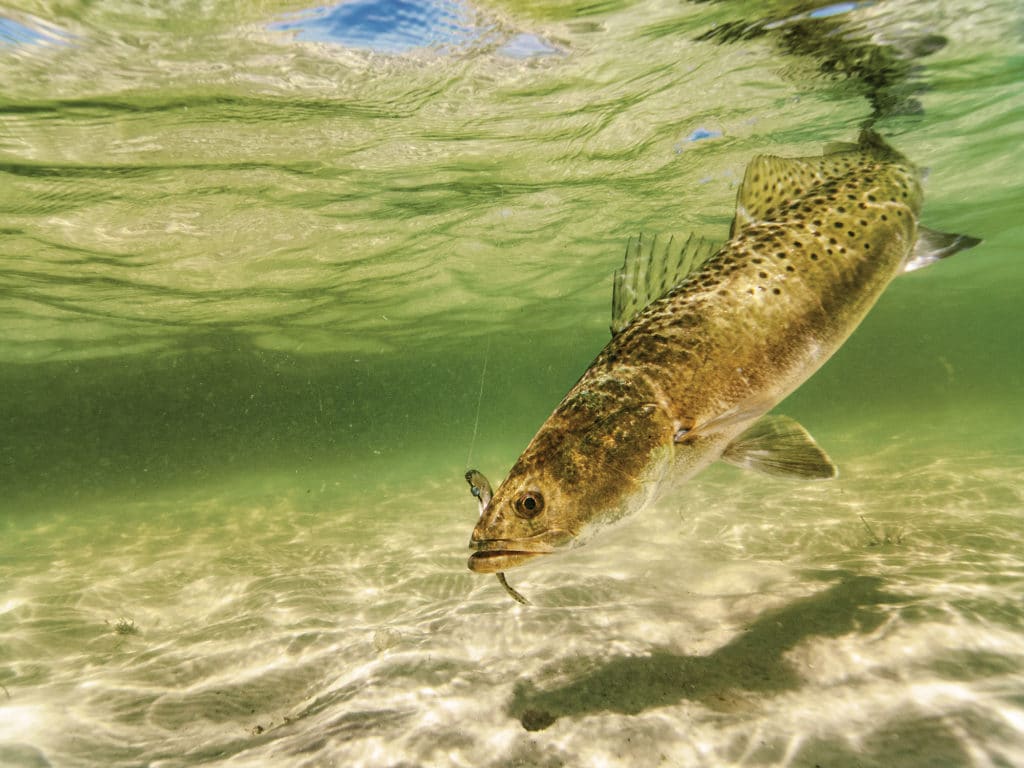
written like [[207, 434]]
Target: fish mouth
[[496, 555], [499, 560]]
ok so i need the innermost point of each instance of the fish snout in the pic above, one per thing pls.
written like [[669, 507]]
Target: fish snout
[[494, 555], [498, 561]]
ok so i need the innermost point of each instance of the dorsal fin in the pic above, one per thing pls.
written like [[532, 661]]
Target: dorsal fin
[[836, 147], [771, 182], [653, 266]]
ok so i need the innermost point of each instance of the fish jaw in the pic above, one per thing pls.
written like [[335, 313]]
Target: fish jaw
[[493, 555], [499, 560]]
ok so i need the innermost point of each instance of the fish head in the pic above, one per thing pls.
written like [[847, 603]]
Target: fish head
[[595, 460], [520, 523]]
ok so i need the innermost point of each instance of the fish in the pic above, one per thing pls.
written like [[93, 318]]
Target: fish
[[707, 338]]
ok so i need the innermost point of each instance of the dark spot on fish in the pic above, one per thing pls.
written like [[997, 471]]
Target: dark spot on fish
[[867, 246], [838, 225], [832, 240], [814, 257], [780, 255], [791, 268], [884, 217], [841, 209], [851, 233], [762, 274], [797, 244], [776, 291], [871, 198], [862, 205]]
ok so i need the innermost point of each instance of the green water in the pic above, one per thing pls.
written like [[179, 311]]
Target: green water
[[267, 287]]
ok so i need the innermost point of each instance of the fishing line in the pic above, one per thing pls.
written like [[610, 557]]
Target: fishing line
[[479, 401]]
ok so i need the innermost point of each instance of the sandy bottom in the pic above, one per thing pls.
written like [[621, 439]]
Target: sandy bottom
[[871, 621]]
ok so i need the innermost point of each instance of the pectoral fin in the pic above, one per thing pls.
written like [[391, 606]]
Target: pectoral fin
[[779, 446]]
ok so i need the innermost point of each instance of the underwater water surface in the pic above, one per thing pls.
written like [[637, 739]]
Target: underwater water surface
[[272, 277]]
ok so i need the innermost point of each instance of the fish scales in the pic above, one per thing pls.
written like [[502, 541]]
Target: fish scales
[[798, 283], [687, 381]]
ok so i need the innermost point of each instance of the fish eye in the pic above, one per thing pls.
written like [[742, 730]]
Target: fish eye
[[529, 504]]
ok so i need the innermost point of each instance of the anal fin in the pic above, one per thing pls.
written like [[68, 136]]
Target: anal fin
[[932, 245], [779, 446]]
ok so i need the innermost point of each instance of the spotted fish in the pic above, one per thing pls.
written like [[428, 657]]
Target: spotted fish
[[708, 338]]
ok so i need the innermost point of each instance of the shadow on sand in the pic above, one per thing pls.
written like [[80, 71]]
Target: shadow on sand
[[751, 663]]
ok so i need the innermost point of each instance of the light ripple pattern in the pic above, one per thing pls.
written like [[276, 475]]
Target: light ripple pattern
[[388, 26], [251, 283], [783, 626]]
